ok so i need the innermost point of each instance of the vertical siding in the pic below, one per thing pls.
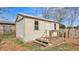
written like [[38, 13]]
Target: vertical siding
[[31, 34], [57, 26], [7, 28], [20, 32], [25, 28]]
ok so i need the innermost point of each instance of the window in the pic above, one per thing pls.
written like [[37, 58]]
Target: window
[[55, 26], [36, 25]]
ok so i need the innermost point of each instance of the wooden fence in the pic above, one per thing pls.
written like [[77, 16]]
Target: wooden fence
[[66, 33]]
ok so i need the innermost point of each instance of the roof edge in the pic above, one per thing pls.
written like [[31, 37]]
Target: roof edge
[[35, 17]]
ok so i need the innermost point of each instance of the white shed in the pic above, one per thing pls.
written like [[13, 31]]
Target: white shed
[[30, 27]]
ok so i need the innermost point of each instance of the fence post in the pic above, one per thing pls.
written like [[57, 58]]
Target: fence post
[[50, 35], [66, 33], [57, 34]]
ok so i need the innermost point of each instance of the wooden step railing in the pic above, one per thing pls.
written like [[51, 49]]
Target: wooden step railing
[[43, 40]]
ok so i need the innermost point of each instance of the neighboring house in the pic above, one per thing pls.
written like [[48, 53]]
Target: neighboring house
[[6, 26], [30, 27]]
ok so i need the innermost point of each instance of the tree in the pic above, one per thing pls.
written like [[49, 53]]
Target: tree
[[71, 14], [45, 12], [61, 26], [54, 13], [61, 14]]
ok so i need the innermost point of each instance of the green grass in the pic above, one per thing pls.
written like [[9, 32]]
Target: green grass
[[6, 35]]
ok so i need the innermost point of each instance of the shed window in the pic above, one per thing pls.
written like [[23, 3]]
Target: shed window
[[55, 26], [36, 25]]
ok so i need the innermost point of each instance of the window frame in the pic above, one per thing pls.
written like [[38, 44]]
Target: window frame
[[36, 25], [55, 26]]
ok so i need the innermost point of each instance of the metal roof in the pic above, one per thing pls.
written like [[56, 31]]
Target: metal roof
[[35, 17]]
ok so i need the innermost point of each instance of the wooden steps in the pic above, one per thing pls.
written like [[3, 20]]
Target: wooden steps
[[41, 42]]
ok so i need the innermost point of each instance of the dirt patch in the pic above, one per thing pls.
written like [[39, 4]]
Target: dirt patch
[[70, 40], [12, 46], [64, 47]]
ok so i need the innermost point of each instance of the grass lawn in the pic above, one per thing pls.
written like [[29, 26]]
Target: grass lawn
[[13, 44], [64, 47], [29, 46]]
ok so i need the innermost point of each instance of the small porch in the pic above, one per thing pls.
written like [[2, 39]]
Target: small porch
[[59, 38], [52, 39]]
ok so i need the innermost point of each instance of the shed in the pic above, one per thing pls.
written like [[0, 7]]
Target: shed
[[30, 27]]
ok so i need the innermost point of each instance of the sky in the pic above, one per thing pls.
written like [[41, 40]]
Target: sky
[[10, 13]]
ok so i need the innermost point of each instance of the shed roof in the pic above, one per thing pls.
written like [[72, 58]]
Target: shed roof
[[35, 17]]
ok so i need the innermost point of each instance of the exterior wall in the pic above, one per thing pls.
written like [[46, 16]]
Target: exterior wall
[[1, 29], [20, 32], [57, 26], [54, 34], [6, 28], [31, 34], [12, 28], [25, 28]]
